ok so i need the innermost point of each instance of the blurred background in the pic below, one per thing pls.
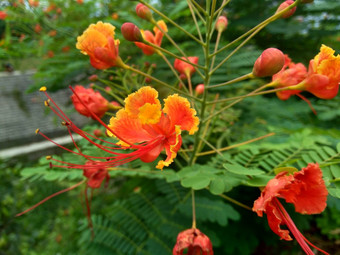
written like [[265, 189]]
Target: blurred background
[[37, 48]]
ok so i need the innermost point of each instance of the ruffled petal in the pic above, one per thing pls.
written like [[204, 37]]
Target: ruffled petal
[[135, 102], [180, 113], [275, 221], [308, 192], [171, 148], [130, 130]]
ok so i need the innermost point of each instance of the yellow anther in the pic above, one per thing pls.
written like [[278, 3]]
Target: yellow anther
[[37, 130], [43, 89], [47, 102], [48, 157]]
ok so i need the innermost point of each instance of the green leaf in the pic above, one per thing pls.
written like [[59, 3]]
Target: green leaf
[[197, 182], [259, 181], [217, 186], [334, 192], [335, 169], [237, 169]]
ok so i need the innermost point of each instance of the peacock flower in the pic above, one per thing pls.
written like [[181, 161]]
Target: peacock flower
[[323, 74], [99, 44], [268, 63], [155, 38], [143, 121], [305, 189], [185, 68], [284, 5], [291, 74], [94, 101], [194, 242]]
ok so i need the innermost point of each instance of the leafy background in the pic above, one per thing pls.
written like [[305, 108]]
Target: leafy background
[[142, 211]]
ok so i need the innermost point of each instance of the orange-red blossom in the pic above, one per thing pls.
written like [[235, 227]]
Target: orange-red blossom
[[305, 189], [155, 38], [185, 68], [99, 44]]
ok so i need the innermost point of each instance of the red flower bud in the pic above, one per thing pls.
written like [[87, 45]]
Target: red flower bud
[[199, 89], [98, 132], [194, 241], [270, 62], [143, 12], [131, 32], [284, 5], [221, 23], [93, 77]]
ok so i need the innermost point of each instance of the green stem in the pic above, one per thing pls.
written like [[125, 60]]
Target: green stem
[[199, 7], [109, 93], [219, 10], [216, 46], [193, 209], [195, 21], [171, 21], [238, 79], [235, 202], [160, 82], [262, 24]]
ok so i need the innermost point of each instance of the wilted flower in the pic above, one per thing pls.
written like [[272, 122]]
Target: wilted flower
[[184, 67], [152, 38], [192, 242], [268, 63], [305, 189], [98, 42], [94, 101]]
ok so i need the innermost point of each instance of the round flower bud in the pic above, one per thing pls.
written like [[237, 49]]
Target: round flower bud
[[221, 23], [284, 5], [131, 32], [143, 12], [270, 62], [199, 89]]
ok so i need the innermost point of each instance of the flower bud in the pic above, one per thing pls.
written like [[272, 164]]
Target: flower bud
[[284, 5], [143, 12], [221, 24], [270, 62], [199, 89], [93, 77], [131, 32]]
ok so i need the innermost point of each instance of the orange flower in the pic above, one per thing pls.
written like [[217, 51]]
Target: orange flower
[[37, 28], [152, 38], [93, 100], [98, 42], [323, 74], [291, 74], [52, 33], [184, 67], [115, 16], [33, 3], [305, 189], [143, 121]]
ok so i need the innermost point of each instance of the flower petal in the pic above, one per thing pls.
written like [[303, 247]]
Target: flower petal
[[135, 105], [180, 113], [308, 192], [129, 129]]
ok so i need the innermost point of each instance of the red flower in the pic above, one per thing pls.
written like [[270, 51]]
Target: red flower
[[194, 242], [93, 100], [95, 173], [152, 38], [37, 28], [184, 67], [305, 189], [3, 15], [291, 74], [284, 5]]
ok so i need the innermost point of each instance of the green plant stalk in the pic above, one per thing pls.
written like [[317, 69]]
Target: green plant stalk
[[236, 49], [211, 20], [216, 46], [219, 10], [263, 23], [199, 7], [235, 202], [172, 69], [238, 79], [160, 82], [176, 46], [234, 145], [248, 95], [109, 93], [171, 21], [195, 21], [193, 209], [214, 149], [206, 83]]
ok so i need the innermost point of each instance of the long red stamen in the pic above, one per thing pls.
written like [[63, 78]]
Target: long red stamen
[[287, 220], [49, 197], [308, 102]]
